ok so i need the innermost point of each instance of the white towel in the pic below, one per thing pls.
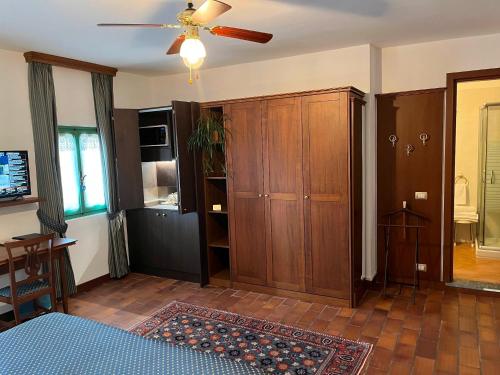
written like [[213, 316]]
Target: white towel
[[460, 194], [466, 214]]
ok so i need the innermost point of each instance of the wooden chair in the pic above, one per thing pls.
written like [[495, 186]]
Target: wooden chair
[[40, 281]]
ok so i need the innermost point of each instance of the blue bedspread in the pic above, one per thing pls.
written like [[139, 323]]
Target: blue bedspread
[[64, 344]]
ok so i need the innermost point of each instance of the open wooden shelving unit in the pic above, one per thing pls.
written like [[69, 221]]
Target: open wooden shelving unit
[[217, 225]]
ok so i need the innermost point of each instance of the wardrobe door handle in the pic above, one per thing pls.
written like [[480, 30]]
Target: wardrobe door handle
[[306, 197], [266, 195], [260, 195]]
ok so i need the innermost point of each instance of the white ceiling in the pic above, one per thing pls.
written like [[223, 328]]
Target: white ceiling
[[67, 28]]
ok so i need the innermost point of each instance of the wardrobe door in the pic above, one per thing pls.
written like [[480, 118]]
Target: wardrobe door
[[246, 192], [283, 188], [326, 193]]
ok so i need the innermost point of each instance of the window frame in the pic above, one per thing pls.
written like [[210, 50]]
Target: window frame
[[76, 131]]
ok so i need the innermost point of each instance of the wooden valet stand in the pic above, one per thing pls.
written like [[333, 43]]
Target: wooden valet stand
[[406, 225]]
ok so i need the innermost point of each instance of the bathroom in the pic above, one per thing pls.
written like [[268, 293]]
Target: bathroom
[[476, 258]]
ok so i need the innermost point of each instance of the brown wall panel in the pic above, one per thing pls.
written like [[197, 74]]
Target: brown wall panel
[[399, 176]]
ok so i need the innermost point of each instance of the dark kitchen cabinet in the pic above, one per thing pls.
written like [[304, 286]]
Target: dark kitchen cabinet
[[156, 134], [164, 243], [180, 120], [185, 117]]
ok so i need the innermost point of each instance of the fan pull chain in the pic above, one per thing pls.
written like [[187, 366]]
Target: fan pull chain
[[190, 75]]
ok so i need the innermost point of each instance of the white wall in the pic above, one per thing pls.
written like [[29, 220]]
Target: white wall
[[132, 91], [16, 134], [370, 167], [343, 67], [425, 65], [75, 106]]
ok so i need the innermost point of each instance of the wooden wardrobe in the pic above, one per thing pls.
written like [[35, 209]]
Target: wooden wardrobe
[[294, 191]]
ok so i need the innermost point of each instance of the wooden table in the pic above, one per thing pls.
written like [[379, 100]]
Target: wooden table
[[58, 246]]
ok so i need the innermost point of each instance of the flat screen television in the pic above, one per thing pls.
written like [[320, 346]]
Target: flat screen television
[[14, 174]]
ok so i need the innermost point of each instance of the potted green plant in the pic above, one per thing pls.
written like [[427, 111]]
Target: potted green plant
[[210, 137]]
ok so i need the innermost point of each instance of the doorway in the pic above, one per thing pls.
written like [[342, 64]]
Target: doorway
[[472, 192]]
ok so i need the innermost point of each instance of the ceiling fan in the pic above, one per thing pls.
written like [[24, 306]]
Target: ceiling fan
[[191, 20]]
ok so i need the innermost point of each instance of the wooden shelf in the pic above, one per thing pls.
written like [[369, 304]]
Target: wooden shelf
[[222, 243], [217, 222], [221, 278], [223, 212], [18, 202]]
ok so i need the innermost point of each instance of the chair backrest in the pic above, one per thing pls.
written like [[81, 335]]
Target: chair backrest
[[35, 252]]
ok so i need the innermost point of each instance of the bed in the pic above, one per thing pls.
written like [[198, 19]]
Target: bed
[[63, 344]]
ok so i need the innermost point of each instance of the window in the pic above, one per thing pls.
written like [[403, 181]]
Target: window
[[81, 171]]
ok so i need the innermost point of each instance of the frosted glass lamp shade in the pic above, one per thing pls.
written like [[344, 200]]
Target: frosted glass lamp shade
[[193, 53]]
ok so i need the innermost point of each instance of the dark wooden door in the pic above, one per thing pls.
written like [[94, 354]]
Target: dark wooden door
[[186, 177], [326, 193], [284, 198], [128, 158], [399, 176], [246, 192]]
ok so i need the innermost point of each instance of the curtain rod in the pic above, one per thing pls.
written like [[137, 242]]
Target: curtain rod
[[68, 63]]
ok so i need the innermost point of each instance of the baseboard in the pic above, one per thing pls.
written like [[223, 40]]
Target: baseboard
[[379, 283], [91, 284], [183, 276], [314, 298]]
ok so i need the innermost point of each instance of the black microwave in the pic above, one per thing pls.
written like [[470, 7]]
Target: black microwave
[[156, 135]]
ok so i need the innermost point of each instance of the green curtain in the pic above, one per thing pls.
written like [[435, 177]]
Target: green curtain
[[48, 174], [102, 85]]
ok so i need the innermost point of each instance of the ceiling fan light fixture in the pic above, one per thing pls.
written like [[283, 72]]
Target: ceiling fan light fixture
[[193, 52], [192, 20]]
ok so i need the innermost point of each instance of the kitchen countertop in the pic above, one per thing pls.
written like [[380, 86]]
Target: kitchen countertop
[[159, 205], [168, 207]]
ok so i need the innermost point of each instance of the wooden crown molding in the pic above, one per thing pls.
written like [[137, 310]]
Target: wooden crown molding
[[218, 103], [69, 63]]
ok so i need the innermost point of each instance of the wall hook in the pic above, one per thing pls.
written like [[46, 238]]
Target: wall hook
[[409, 149], [393, 139], [424, 137]]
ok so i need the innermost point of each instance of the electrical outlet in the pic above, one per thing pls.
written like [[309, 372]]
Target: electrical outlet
[[421, 195], [422, 267]]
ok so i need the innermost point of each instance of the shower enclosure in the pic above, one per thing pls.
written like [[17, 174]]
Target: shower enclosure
[[489, 176]]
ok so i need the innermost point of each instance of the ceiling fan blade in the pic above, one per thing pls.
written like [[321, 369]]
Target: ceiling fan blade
[[233, 32], [208, 11], [148, 25], [175, 48]]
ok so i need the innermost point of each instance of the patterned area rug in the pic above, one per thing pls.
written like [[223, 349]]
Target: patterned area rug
[[274, 348]]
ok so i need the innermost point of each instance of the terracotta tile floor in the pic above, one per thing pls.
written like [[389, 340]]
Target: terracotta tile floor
[[445, 332], [466, 266]]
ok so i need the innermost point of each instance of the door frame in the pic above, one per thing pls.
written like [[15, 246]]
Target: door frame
[[452, 79]]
